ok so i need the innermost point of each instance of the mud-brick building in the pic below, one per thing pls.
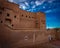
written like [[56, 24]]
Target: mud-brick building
[[19, 28]]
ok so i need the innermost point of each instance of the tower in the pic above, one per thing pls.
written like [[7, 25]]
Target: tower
[[41, 19]]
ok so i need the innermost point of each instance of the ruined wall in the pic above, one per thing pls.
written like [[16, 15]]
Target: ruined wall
[[27, 19], [57, 33], [21, 28], [19, 18], [41, 20]]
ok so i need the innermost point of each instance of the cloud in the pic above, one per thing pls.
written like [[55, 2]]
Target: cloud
[[50, 1], [26, 3], [22, 6], [48, 11], [32, 3], [11, 0], [39, 2], [34, 6], [20, 0]]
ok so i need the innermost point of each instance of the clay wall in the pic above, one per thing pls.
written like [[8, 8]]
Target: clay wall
[[21, 28]]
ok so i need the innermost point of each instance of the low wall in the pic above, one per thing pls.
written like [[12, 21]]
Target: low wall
[[58, 34], [18, 38]]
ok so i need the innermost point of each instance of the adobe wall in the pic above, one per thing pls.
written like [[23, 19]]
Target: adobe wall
[[9, 5], [57, 33], [21, 28], [20, 38], [27, 19], [41, 19]]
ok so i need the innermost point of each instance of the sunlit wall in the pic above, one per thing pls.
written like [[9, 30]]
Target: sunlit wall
[[50, 7]]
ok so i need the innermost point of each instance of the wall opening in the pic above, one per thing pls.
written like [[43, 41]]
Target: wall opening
[[1, 21], [0, 12], [8, 21], [14, 16], [8, 14]]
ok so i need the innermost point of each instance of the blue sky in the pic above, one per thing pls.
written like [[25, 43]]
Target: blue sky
[[50, 7]]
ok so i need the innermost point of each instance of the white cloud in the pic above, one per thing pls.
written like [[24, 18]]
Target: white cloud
[[50, 27], [44, 7], [33, 6], [48, 11], [50, 1], [52, 10], [39, 2], [32, 2], [21, 0], [11, 0], [26, 3], [23, 6]]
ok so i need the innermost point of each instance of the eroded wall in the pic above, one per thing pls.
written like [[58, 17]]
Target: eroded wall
[[21, 28], [57, 33]]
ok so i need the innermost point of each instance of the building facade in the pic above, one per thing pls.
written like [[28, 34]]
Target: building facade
[[20, 28]]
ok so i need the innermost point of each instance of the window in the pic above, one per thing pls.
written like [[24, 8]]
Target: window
[[8, 14], [22, 15], [8, 21], [0, 12], [26, 16], [36, 22], [14, 16], [1, 21], [43, 21], [12, 25], [32, 17], [29, 17]]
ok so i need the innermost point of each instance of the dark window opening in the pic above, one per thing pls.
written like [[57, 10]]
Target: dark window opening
[[1, 21], [26, 16], [14, 16], [36, 23], [8, 21], [1, 8], [22, 15], [32, 17], [8, 14], [12, 25], [43, 21], [0, 12], [29, 17]]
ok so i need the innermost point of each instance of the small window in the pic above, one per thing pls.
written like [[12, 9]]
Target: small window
[[29, 17], [1, 21], [8, 14], [12, 25], [32, 17], [14, 16], [0, 12], [1, 8], [36, 21], [22, 15], [43, 21], [26, 16], [8, 21]]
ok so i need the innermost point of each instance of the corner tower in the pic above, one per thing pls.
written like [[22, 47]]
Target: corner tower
[[41, 19]]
